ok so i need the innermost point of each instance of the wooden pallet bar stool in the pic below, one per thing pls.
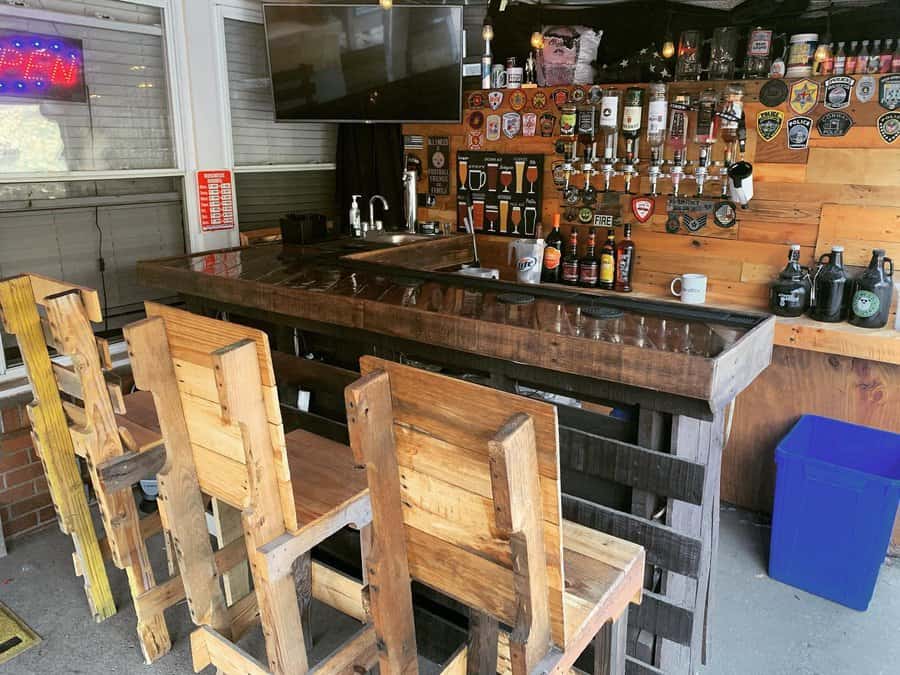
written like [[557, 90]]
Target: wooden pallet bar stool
[[218, 409], [464, 485], [94, 421]]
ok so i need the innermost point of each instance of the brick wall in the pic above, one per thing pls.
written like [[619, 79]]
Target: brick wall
[[25, 503]]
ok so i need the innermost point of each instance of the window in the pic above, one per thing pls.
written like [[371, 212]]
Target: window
[[124, 120], [280, 168]]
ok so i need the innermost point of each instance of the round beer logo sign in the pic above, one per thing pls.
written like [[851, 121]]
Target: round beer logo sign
[[865, 304]]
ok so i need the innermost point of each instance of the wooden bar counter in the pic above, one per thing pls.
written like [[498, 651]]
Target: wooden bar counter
[[649, 473]]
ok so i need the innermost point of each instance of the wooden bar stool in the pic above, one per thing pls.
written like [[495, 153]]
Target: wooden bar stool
[[93, 422], [218, 409], [464, 487]]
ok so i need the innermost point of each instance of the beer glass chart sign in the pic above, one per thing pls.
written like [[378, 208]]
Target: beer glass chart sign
[[501, 192]]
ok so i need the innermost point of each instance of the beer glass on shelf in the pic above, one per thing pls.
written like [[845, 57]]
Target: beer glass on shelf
[[679, 111], [506, 178], [723, 53], [705, 135], [656, 131], [531, 175], [731, 111], [688, 65]]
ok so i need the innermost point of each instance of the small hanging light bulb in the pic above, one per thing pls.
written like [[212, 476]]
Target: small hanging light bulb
[[386, 4], [822, 52], [487, 30], [537, 39], [668, 48]]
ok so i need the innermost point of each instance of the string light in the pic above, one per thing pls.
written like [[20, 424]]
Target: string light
[[668, 48], [537, 39], [386, 4]]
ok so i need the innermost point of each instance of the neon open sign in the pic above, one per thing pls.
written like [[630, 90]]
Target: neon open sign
[[42, 67]]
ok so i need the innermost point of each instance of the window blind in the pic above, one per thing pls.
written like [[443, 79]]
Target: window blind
[[257, 138], [264, 198]]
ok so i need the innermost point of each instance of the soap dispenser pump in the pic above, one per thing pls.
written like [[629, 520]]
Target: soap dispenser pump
[[355, 223]]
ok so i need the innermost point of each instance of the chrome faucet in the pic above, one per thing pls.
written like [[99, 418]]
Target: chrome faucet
[[384, 204]]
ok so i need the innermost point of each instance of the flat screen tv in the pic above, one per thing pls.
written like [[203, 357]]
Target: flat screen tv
[[362, 63]]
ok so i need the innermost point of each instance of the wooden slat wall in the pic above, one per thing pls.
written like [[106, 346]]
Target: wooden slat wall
[[841, 190]]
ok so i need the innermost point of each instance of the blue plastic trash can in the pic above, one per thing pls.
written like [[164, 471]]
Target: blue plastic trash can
[[836, 494]]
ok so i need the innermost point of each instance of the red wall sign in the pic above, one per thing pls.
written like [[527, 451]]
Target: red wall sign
[[216, 200], [45, 67]]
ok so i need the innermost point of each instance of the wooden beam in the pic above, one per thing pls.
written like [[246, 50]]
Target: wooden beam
[[370, 418], [357, 655], [665, 547], [517, 510], [179, 489], [239, 382], [209, 648], [20, 318], [609, 646], [484, 636], [661, 617], [119, 473], [641, 468]]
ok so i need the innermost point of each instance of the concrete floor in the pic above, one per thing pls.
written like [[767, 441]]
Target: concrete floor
[[760, 626]]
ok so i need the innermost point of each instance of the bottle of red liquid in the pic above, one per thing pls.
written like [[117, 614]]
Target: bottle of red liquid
[[570, 260], [589, 267], [553, 244]]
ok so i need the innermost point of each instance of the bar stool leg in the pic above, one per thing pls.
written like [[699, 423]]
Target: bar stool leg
[[609, 647], [302, 572]]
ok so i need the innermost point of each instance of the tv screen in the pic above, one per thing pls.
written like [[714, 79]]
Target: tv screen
[[362, 63]]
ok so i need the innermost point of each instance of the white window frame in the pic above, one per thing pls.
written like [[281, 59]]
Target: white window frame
[[172, 30], [251, 12], [175, 67]]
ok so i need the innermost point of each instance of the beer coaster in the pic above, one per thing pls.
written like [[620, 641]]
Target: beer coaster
[[599, 312], [866, 88], [834, 124], [773, 93], [804, 96], [515, 298], [798, 129], [889, 126], [889, 91], [769, 123], [837, 92]]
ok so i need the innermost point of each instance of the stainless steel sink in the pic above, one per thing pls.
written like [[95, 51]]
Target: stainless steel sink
[[395, 238]]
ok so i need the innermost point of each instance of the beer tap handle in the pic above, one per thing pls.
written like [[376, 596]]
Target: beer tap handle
[[742, 134]]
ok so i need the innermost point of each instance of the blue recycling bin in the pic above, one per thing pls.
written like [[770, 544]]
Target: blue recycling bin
[[836, 494]]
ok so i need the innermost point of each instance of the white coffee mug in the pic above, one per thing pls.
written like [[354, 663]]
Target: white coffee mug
[[693, 288], [514, 77]]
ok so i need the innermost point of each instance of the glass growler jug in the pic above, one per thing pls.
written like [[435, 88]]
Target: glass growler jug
[[789, 293], [870, 301], [830, 288]]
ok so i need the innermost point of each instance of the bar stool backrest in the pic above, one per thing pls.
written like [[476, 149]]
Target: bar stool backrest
[[456, 486], [215, 434]]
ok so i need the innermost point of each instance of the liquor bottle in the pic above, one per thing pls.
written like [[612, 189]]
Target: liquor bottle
[[874, 58], [789, 293], [570, 260], [886, 58], [840, 60], [679, 110], [553, 243], [895, 63], [589, 266], [830, 287], [631, 120], [862, 58], [586, 129], [568, 117], [657, 110], [608, 261], [852, 56], [624, 262], [871, 297], [828, 63]]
